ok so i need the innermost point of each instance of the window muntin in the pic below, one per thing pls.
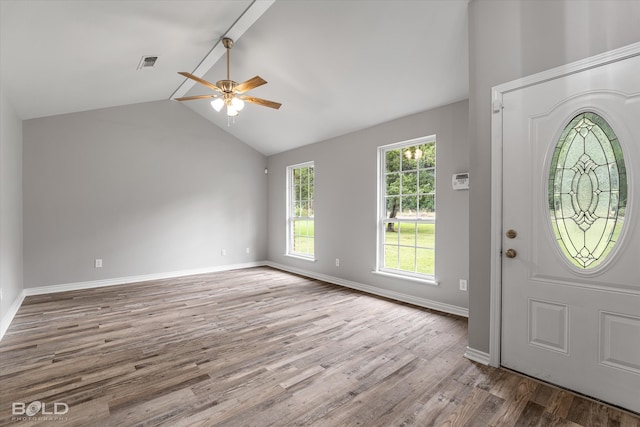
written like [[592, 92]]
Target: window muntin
[[407, 211], [587, 190], [300, 215]]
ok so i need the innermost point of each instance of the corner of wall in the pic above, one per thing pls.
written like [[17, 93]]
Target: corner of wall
[[11, 218]]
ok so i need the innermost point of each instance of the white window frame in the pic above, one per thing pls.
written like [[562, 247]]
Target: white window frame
[[382, 214], [291, 217]]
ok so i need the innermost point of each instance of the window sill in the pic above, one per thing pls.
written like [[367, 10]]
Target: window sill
[[303, 258], [431, 282]]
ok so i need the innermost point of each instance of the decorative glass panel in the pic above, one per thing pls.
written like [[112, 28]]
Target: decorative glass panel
[[587, 190]]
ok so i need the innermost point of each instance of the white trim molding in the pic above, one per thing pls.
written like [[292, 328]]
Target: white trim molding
[[410, 299], [134, 279], [11, 313], [477, 356], [497, 93]]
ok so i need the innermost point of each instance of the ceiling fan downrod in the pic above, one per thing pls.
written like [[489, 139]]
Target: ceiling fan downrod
[[228, 44]]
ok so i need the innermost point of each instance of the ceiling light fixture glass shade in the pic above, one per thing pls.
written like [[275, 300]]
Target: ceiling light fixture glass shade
[[237, 103], [231, 112], [217, 104]]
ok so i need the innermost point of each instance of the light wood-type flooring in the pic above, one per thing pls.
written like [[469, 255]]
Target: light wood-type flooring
[[261, 347]]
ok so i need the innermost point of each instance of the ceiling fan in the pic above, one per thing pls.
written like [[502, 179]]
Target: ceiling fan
[[230, 93]]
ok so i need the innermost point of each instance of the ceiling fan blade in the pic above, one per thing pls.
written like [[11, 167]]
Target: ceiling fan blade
[[189, 98], [199, 80], [250, 84], [261, 101]]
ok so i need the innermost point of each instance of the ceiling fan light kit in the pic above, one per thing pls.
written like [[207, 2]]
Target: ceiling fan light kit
[[229, 92]]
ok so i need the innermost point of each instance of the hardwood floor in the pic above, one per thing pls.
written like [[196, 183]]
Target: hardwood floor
[[260, 347]]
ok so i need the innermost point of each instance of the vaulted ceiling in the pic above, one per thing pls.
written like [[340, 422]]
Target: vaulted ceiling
[[336, 66]]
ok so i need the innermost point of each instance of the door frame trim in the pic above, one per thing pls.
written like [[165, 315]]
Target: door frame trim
[[497, 93]]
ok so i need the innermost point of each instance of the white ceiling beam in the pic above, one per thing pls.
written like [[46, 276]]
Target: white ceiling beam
[[237, 29]]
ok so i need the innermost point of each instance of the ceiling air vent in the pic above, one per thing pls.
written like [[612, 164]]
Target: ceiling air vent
[[147, 62]]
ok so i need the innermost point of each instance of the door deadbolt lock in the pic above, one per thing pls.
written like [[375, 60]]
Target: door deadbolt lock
[[511, 253], [511, 234]]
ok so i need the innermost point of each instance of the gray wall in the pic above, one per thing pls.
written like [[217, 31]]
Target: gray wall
[[509, 40], [10, 205], [149, 188], [345, 203]]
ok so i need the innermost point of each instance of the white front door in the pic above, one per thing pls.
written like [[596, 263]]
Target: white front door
[[571, 194]]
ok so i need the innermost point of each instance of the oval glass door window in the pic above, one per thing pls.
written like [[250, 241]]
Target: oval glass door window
[[587, 190]]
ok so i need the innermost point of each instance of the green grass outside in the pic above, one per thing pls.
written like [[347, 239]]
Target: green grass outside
[[303, 237], [399, 244], [410, 247]]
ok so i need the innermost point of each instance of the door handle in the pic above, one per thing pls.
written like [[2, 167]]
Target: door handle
[[511, 253]]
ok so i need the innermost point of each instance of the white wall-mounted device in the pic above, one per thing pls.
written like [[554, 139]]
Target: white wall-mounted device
[[460, 181]]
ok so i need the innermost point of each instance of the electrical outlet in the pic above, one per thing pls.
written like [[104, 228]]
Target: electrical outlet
[[1, 294], [337, 262], [463, 285], [223, 252], [248, 250], [98, 263]]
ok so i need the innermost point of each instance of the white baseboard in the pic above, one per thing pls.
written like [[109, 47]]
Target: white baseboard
[[477, 356], [8, 317], [410, 299], [133, 279]]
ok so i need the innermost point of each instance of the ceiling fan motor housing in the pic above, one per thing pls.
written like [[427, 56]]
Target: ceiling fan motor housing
[[226, 86]]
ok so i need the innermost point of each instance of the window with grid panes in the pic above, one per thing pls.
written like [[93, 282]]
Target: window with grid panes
[[300, 217], [407, 211]]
